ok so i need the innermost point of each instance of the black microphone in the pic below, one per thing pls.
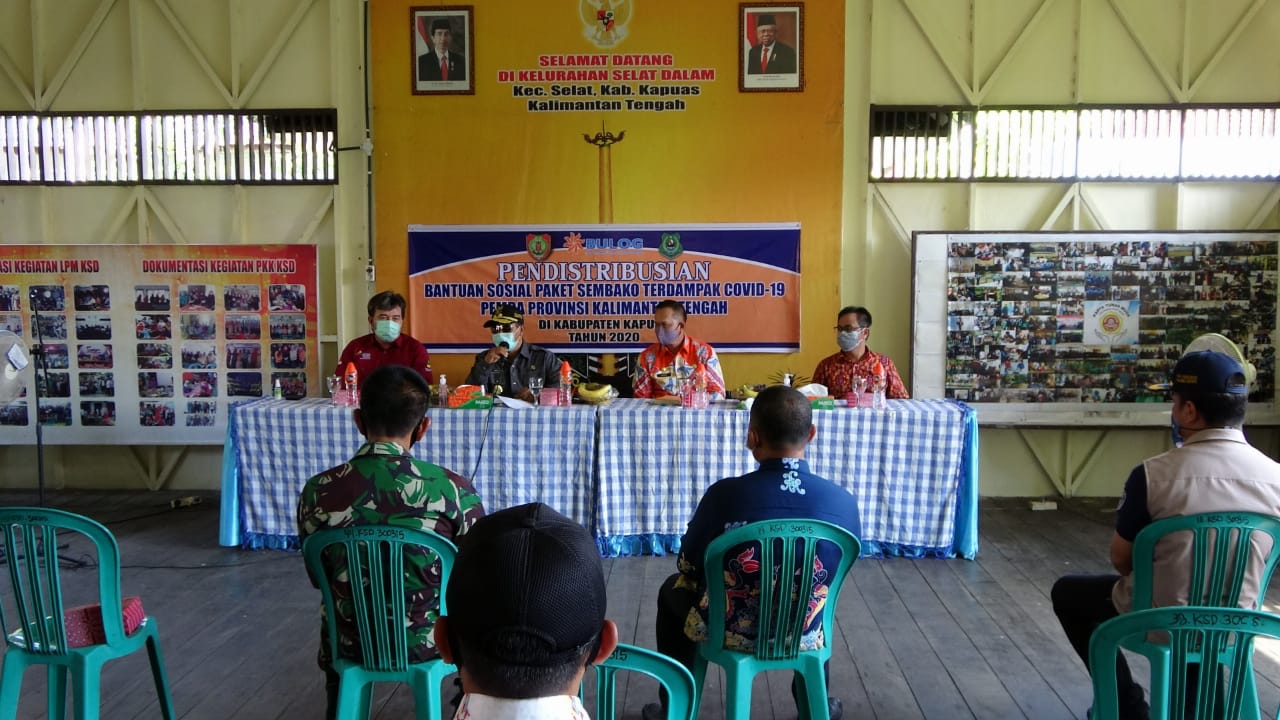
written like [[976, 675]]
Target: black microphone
[[504, 363]]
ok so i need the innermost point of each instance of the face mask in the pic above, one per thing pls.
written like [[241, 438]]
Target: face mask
[[386, 330], [849, 340], [508, 338], [668, 336]]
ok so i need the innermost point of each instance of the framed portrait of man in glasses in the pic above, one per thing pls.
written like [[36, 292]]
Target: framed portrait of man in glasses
[[771, 38], [441, 39]]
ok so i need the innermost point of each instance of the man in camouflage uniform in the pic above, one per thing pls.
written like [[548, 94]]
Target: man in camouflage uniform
[[384, 485]]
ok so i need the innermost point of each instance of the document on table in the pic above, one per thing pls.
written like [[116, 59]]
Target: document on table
[[514, 402]]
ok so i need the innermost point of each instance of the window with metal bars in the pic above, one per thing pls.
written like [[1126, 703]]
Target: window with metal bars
[[1172, 143], [264, 147]]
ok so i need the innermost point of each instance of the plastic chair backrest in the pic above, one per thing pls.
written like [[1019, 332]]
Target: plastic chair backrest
[[1217, 639], [31, 550], [1217, 568], [376, 563], [787, 551], [675, 677]]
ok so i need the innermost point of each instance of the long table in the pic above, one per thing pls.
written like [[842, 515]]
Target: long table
[[631, 471], [273, 446]]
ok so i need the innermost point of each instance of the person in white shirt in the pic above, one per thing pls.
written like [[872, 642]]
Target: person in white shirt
[[525, 615]]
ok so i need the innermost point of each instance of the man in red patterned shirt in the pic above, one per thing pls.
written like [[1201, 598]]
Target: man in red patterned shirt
[[855, 359], [675, 356]]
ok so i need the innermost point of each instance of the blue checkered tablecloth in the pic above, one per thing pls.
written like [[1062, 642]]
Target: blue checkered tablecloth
[[273, 446], [631, 471], [912, 468]]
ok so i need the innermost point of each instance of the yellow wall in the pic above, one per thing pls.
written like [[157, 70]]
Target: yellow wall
[[729, 157]]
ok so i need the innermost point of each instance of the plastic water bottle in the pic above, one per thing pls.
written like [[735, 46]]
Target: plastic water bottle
[[878, 386], [352, 381], [276, 391], [442, 391], [565, 395]]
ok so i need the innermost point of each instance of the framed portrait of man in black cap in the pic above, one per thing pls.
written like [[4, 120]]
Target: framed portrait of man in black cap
[[442, 45], [771, 36]]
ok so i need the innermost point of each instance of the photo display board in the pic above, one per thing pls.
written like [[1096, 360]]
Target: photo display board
[[148, 344], [1084, 328]]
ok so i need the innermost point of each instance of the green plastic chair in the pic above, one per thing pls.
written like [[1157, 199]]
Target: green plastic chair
[[788, 547], [1217, 573], [671, 674], [376, 562], [39, 637], [1217, 639]]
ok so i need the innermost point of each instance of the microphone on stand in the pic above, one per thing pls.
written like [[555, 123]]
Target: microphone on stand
[[504, 366], [484, 434], [41, 386]]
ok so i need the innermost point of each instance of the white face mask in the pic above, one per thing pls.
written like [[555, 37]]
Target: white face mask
[[508, 338], [850, 339]]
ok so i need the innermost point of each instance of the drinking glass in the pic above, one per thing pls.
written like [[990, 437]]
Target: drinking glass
[[333, 382], [686, 392], [859, 387], [535, 386]]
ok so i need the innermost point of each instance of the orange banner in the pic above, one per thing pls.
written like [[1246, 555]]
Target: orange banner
[[593, 288]]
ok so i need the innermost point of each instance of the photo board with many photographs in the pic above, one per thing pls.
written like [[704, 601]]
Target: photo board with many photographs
[[149, 344], [1084, 328]]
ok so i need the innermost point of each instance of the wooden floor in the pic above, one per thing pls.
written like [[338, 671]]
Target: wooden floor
[[914, 638]]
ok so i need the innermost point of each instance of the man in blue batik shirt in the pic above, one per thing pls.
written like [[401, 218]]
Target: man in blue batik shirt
[[780, 428]]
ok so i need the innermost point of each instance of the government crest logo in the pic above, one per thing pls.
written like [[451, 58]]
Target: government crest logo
[[670, 246], [539, 246], [604, 22]]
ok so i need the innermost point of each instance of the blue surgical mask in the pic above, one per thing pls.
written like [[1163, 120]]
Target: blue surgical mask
[[848, 340], [668, 336], [508, 338], [386, 330]]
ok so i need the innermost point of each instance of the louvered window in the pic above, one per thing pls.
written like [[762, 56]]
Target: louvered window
[[278, 147], [1185, 143]]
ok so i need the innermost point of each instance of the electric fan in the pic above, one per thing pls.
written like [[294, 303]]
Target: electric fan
[[15, 367], [1221, 343], [14, 362], [1217, 342]]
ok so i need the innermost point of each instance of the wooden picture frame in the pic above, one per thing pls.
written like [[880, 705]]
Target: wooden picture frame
[[447, 28], [780, 68]]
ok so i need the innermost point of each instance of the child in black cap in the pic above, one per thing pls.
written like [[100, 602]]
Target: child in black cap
[[525, 615]]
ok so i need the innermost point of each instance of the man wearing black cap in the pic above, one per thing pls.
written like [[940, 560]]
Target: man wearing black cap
[[1216, 470], [780, 428], [768, 56], [526, 615], [440, 63], [511, 360]]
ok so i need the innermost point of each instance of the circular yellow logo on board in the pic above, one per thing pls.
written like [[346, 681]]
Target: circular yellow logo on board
[[1111, 323]]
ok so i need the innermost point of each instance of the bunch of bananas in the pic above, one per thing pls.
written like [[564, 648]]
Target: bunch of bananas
[[747, 391], [596, 393]]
